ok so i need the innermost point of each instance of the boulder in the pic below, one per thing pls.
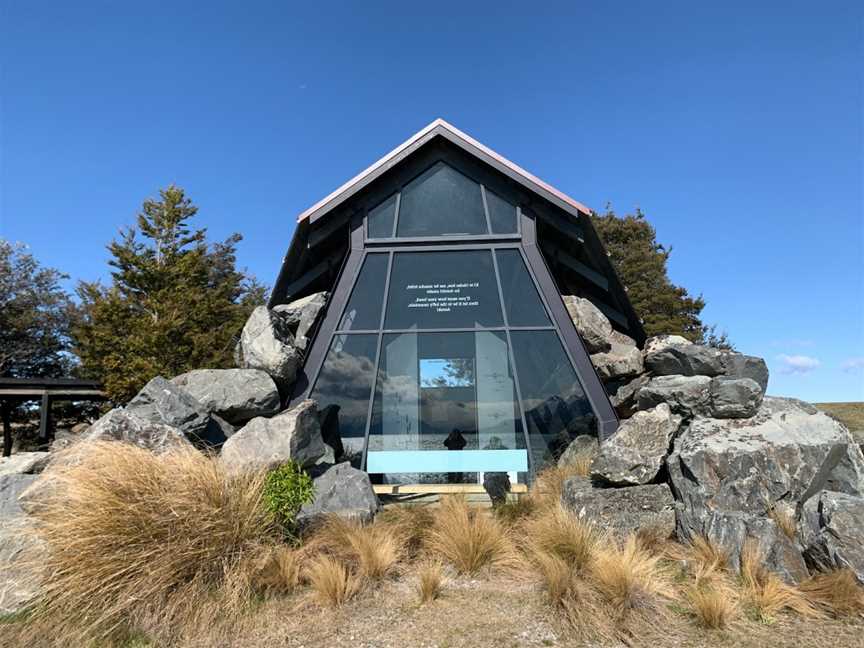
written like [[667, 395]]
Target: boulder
[[584, 446], [236, 395], [787, 451], [734, 397], [729, 474], [617, 337], [161, 401], [619, 361], [685, 395], [126, 426], [21, 463], [737, 365], [622, 510], [265, 443], [302, 315], [267, 343], [636, 452], [341, 490], [593, 326], [831, 530], [18, 585], [623, 393], [496, 485], [658, 342], [684, 360], [733, 529]]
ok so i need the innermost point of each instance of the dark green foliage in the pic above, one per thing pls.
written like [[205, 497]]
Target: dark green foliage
[[175, 302], [286, 489], [35, 317], [640, 262]]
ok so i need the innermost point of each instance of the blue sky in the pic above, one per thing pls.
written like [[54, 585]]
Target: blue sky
[[737, 128]]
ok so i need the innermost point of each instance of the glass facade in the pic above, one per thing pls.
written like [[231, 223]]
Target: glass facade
[[446, 365], [442, 201]]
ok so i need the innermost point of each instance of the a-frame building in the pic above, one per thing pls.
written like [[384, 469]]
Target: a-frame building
[[445, 350]]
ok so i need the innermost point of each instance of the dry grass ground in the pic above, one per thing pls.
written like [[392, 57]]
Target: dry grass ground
[[171, 558], [849, 414]]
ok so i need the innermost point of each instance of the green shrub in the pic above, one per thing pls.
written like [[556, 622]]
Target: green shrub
[[286, 489]]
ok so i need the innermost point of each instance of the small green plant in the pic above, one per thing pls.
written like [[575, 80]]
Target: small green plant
[[286, 489]]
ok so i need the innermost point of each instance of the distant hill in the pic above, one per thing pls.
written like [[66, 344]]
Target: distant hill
[[849, 414]]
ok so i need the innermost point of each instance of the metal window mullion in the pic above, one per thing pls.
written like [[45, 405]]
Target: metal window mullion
[[512, 360], [396, 211], [447, 330], [375, 372]]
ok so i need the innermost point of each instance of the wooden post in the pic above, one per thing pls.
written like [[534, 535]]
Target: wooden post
[[44, 418], [7, 428]]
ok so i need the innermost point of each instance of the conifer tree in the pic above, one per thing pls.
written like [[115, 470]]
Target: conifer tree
[[175, 302], [640, 262]]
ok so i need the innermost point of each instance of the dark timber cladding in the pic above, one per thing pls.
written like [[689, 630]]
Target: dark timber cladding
[[445, 329]]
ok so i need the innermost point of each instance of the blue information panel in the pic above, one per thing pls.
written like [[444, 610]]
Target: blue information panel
[[446, 461]]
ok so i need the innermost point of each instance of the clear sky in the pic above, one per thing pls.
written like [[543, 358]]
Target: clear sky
[[737, 127]]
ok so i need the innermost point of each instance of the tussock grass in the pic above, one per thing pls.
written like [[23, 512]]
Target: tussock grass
[[837, 593], [559, 532], [515, 510], [129, 535], [470, 539], [332, 582], [545, 492], [629, 577], [273, 570], [764, 593], [713, 606], [374, 549], [430, 582], [410, 523]]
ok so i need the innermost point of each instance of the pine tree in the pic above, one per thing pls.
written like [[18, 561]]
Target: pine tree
[[640, 262], [175, 302], [35, 316]]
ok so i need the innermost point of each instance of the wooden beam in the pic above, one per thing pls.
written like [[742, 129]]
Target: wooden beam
[[316, 272], [439, 489], [44, 417], [325, 231], [613, 314], [570, 229], [60, 393]]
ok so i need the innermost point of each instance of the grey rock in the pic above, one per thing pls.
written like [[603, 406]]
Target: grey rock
[[19, 584], [623, 394], [236, 395], [685, 360], [267, 343], [592, 325], [341, 490], [302, 315], [622, 510], [11, 487], [737, 365], [620, 361], [734, 397], [265, 443], [329, 420], [496, 485], [584, 446], [658, 342], [126, 426], [29, 463], [831, 529], [161, 401], [733, 529], [636, 452], [617, 337], [787, 451], [685, 395]]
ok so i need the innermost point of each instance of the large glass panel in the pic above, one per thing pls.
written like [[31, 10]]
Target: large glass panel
[[440, 202], [521, 300], [502, 215], [380, 219], [555, 406], [443, 290], [342, 391], [364, 307], [445, 410]]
